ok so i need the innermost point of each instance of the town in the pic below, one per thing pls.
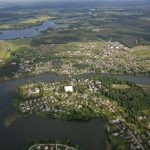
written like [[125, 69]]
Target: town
[[79, 99], [81, 57]]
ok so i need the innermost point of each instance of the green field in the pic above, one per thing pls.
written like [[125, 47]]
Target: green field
[[142, 51], [8, 47], [34, 21], [120, 86]]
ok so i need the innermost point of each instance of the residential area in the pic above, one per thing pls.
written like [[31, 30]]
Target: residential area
[[81, 57], [79, 99]]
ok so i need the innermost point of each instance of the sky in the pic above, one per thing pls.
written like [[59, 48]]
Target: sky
[[63, 0], [2, 1]]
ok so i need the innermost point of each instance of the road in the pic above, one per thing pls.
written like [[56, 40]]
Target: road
[[136, 140]]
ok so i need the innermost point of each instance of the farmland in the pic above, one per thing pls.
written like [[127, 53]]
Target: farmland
[[84, 46]]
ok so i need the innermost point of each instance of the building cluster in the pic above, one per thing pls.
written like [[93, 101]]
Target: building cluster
[[112, 108], [35, 105], [119, 128], [94, 86], [112, 57], [87, 46], [32, 91], [116, 46], [116, 57]]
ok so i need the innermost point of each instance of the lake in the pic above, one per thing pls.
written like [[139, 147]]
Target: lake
[[89, 135], [10, 34], [32, 31]]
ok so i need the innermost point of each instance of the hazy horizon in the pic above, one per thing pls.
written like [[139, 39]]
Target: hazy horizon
[[64, 0]]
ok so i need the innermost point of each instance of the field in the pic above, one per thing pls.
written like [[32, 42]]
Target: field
[[8, 47], [34, 21], [142, 51], [120, 86]]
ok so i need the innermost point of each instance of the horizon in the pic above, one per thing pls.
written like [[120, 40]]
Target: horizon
[[66, 0]]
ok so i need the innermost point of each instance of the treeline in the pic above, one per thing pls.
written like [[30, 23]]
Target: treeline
[[133, 99]]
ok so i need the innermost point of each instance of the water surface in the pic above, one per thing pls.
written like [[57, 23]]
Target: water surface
[[34, 30]]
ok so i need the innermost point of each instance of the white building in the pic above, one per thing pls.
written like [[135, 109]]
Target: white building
[[68, 88]]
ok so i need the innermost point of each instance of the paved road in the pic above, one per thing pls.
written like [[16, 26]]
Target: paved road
[[137, 141]]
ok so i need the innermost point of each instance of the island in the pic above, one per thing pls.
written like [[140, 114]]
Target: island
[[123, 104]]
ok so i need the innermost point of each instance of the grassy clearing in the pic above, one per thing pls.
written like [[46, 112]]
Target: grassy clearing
[[4, 54], [7, 47], [33, 21], [5, 26], [120, 86], [141, 51], [72, 46]]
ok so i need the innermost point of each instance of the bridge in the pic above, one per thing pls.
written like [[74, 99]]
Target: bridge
[[51, 147]]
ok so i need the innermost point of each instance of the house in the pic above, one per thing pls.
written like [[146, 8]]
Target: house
[[38, 147], [33, 91], [46, 147], [68, 88], [51, 147]]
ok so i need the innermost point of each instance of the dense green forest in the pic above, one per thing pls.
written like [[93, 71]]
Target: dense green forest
[[133, 99]]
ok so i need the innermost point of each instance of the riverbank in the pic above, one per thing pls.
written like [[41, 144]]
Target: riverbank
[[115, 75]]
